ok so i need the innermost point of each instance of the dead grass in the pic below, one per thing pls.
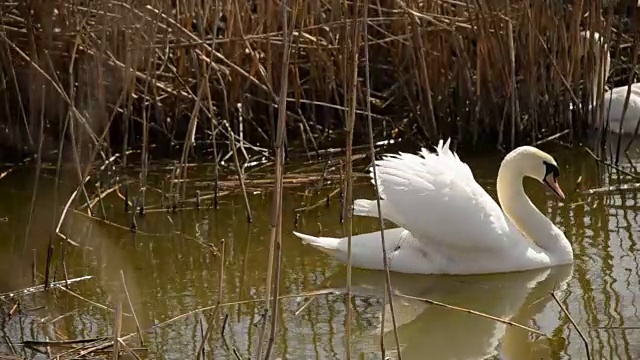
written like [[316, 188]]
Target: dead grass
[[144, 73]]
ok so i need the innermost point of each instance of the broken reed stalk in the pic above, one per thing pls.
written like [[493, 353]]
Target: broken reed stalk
[[372, 151], [275, 248], [351, 102]]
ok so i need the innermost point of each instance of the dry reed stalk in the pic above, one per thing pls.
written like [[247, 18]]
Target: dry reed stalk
[[98, 305], [611, 165], [216, 309], [34, 269], [207, 70], [36, 179], [352, 33], [236, 162], [515, 113], [12, 347], [117, 328], [388, 293], [126, 292], [275, 248]]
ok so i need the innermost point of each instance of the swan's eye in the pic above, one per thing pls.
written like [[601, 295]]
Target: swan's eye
[[551, 169]]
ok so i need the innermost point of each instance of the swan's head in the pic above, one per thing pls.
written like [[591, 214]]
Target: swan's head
[[535, 163]]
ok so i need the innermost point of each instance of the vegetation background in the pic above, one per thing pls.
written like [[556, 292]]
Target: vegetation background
[[112, 73]]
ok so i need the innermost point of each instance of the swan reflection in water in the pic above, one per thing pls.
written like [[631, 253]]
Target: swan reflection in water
[[440, 333]]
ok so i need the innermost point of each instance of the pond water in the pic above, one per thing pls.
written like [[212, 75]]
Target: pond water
[[170, 271]]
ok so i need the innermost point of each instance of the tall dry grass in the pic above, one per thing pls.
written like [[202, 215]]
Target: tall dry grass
[[116, 73]]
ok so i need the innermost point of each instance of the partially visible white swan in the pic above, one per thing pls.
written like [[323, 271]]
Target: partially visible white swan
[[614, 99], [449, 224]]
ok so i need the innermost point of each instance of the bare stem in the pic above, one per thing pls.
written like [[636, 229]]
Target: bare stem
[[348, 200], [389, 292], [275, 249]]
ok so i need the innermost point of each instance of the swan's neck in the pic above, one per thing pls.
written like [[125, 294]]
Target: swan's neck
[[527, 218]]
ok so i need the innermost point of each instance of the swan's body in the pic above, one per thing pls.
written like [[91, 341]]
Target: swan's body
[[449, 224], [614, 99]]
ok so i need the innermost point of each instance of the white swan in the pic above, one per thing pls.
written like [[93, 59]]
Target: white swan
[[614, 99], [449, 224]]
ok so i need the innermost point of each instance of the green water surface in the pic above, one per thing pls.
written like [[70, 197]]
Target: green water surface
[[171, 271]]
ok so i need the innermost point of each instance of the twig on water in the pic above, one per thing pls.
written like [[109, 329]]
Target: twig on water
[[474, 312], [39, 288], [104, 307], [606, 163], [575, 325]]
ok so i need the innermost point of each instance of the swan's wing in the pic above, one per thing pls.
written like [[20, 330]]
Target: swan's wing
[[437, 199], [363, 207], [444, 155]]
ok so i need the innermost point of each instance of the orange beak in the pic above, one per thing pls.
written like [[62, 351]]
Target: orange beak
[[552, 183]]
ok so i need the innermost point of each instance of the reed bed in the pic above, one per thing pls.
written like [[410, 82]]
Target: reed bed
[[121, 74]]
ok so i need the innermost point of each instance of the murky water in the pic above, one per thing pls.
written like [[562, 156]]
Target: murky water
[[170, 271]]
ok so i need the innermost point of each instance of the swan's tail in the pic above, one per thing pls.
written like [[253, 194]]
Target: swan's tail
[[328, 245], [364, 207]]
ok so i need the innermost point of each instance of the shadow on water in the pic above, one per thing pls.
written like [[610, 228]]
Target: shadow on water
[[170, 270]]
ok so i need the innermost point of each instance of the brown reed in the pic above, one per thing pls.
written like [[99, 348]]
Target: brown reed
[[134, 72]]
